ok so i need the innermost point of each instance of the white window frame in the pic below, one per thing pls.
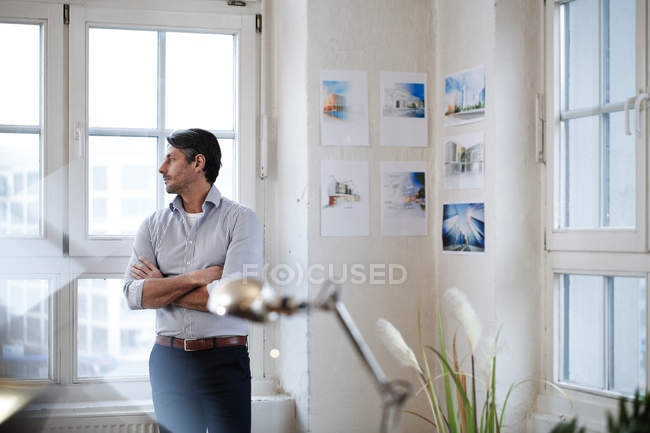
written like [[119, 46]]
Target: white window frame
[[600, 239], [101, 258], [81, 18], [51, 164], [604, 251]]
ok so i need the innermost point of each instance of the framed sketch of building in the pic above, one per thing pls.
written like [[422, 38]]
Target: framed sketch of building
[[464, 161]]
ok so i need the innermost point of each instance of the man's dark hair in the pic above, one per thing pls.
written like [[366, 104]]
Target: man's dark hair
[[199, 141]]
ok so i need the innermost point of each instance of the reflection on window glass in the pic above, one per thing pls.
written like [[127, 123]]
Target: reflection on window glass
[[112, 341], [620, 201], [20, 83], [99, 177], [581, 76], [122, 78], [200, 96], [629, 336], [580, 162], [18, 167], [597, 184], [132, 175], [621, 53], [603, 332], [24, 306], [121, 206]]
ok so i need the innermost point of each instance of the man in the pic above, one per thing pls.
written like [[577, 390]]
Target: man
[[199, 367]]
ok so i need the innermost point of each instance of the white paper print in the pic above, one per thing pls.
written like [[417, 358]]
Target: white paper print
[[344, 198], [403, 199], [464, 161], [465, 96], [344, 108], [463, 228], [403, 109]]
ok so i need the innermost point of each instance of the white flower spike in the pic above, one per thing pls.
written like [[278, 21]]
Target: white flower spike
[[460, 306], [395, 343]]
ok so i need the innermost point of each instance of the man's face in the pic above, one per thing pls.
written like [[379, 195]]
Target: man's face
[[177, 173]]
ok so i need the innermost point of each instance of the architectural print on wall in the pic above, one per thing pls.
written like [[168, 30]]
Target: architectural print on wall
[[463, 227], [465, 96], [344, 198], [344, 108], [403, 199], [403, 109], [464, 161]]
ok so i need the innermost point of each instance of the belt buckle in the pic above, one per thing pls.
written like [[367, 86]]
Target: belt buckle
[[185, 345]]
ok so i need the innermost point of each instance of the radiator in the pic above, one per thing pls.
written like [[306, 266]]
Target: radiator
[[112, 424]]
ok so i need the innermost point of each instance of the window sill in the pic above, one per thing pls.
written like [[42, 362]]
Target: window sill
[[589, 407]]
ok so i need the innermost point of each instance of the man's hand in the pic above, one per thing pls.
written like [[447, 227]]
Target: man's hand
[[145, 270], [203, 277]]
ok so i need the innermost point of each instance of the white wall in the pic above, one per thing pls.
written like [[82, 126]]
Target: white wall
[[436, 37], [504, 283], [383, 35], [286, 187]]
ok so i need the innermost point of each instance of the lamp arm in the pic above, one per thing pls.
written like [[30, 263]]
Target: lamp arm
[[360, 345], [394, 394]]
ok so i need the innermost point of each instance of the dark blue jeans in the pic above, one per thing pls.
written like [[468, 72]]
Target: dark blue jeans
[[209, 389]]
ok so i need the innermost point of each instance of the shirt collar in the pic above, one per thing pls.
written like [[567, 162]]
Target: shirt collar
[[214, 197]]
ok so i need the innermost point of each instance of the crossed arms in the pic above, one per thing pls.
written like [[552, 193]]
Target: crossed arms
[[186, 290]]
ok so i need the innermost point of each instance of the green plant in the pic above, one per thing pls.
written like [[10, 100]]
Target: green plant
[[459, 388], [568, 427], [637, 421]]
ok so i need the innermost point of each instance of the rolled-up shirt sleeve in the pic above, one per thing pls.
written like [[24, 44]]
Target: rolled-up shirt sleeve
[[142, 247], [244, 253]]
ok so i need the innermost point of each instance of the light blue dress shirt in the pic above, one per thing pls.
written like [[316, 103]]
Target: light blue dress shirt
[[227, 234]]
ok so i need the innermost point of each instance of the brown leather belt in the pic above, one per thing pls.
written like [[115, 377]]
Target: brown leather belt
[[201, 343]]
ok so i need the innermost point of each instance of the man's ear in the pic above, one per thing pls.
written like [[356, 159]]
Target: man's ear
[[199, 161]]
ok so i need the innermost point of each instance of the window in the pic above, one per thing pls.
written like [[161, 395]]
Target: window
[[596, 207], [603, 331], [31, 189], [134, 77], [598, 182], [111, 339]]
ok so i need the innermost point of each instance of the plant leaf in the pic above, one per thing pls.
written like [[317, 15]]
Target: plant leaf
[[457, 383], [431, 394], [449, 400], [429, 420]]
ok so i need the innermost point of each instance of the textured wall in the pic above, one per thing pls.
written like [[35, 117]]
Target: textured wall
[[505, 283], [286, 194], [383, 35]]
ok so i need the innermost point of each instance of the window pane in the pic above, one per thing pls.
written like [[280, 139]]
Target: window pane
[[581, 74], [629, 337], [200, 81], [122, 183], [622, 52], [580, 173], [19, 184], [122, 78], [583, 301], [620, 175], [112, 341], [225, 180], [24, 314], [20, 46]]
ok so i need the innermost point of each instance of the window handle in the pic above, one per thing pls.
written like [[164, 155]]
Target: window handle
[[626, 110], [78, 139], [637, 108]]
